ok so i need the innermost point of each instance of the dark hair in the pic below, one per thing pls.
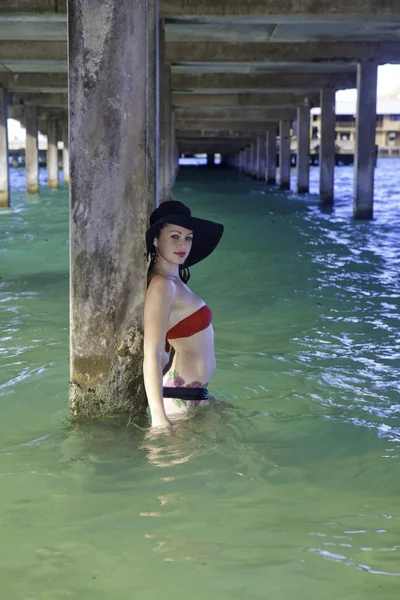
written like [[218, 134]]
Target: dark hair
[[184, 272]]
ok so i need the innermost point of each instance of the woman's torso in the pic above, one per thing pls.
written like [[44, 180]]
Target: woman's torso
[[193, 362]]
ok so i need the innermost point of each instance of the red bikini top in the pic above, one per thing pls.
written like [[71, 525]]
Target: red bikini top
[[192, 324]]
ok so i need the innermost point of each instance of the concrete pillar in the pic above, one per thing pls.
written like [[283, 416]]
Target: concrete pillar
[[168, 131], [247, 158], [52, 154], [31, 150], [253, 159], [270, 172], [365, 141], [4, 181], [173, 154], [303, 149], [327, 145], [261, 157], [162, 113], [65, 153], [284, 155], [112, 79]]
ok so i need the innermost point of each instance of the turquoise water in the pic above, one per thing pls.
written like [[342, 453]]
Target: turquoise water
[[288, 487]]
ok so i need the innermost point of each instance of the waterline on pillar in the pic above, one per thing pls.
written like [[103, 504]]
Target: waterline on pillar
[[4, 200]]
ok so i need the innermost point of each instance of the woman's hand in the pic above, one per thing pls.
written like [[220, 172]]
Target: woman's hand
[[161, 422]]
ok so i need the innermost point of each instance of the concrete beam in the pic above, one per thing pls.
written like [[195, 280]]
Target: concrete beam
[[237, 114], [38, 6], [276, 11], [269, 82], [216, 124], [35, 82], [32, 51], [182, 100], [52, 100], [270, 52], [215, 133]]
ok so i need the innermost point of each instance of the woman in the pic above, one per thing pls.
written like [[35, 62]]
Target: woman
[[174, 316]]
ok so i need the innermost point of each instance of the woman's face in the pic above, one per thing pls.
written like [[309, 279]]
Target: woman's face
[[174, 243]]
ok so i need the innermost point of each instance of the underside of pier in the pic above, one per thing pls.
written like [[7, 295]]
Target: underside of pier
[[129, 86]]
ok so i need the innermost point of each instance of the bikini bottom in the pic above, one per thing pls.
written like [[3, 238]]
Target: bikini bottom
[[186, 393]]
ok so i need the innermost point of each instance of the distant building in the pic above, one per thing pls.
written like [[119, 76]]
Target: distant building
[[387, 123]]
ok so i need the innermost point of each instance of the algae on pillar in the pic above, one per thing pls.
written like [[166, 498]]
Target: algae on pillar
[[365, 158], [52, 154], [4, 182], [112, 79], [31, 150]]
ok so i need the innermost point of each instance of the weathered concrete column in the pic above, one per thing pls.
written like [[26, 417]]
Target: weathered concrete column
[[261, 157], [65, 153], [112, 78], [31, 150], [162, 113], [247, 159], [4, 181], [168, 131], [253, 159], [284, 155], [173, 158], [303, 149], [52, 154], [327, 145], [270, 172], [364, 167]]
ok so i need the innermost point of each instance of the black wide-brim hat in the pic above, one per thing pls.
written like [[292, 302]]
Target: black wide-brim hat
[[206, 234]]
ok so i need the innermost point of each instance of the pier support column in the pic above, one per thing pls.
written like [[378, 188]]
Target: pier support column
[[303, 149], [327, 146], [31, 150], [270, 173], [253, 160], [112, 79], [261, 157], [364, 168], [4, 181], [168, 131], [284, 155], [52, 154], [247, 160], [65, 153], [161, 73]]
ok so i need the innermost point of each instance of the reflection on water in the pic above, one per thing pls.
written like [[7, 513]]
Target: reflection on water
[[288, 485]]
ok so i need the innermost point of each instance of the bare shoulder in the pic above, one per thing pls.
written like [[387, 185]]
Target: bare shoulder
[[161, 286]]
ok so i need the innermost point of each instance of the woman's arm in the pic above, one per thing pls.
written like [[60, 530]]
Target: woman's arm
[[157, 309]]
